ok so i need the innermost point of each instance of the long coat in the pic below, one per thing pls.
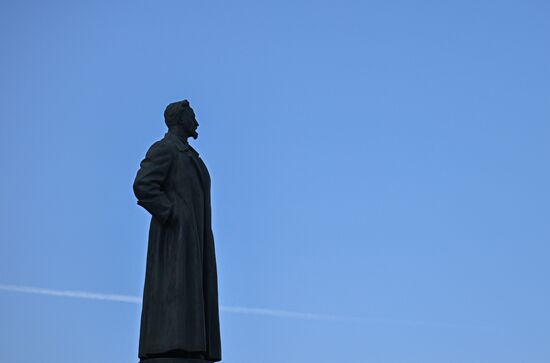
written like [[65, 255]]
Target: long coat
[[180, 297]]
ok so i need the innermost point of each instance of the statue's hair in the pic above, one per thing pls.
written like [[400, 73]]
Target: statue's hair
[[176, 112]]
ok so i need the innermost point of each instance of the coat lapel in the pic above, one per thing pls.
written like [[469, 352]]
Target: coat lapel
[[192, 153]]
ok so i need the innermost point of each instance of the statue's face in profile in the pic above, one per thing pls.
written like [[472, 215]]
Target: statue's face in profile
[[190, 124]]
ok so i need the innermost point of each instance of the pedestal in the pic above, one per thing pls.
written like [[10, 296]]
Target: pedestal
[[174, 360]]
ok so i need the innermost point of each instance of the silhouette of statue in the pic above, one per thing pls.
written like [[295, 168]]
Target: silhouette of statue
[[180, 318]]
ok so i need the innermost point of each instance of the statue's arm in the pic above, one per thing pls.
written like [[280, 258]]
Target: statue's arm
[[148, 184]]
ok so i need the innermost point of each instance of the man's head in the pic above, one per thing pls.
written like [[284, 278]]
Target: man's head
[[179, 115]]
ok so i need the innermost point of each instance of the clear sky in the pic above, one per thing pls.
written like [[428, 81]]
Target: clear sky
[[383, 160]]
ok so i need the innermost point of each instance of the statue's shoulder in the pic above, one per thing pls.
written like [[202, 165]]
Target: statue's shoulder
[[164, 145]]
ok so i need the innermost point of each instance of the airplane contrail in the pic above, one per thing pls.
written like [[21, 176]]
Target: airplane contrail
[[72, 293], [137, 300], [230, 309]]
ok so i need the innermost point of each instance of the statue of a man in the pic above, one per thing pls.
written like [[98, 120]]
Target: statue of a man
[[180, 318]]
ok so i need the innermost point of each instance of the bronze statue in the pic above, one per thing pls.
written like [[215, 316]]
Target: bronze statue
[[180, 318]]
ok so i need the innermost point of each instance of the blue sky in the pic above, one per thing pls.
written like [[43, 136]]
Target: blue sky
[[383, 160]]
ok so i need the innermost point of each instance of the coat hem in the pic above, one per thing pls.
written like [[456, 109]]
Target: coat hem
[[175, 360]]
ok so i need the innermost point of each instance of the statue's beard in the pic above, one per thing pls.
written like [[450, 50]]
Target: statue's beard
[[194, 135]]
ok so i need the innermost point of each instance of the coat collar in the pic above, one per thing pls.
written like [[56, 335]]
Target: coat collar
[[179, 143]]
